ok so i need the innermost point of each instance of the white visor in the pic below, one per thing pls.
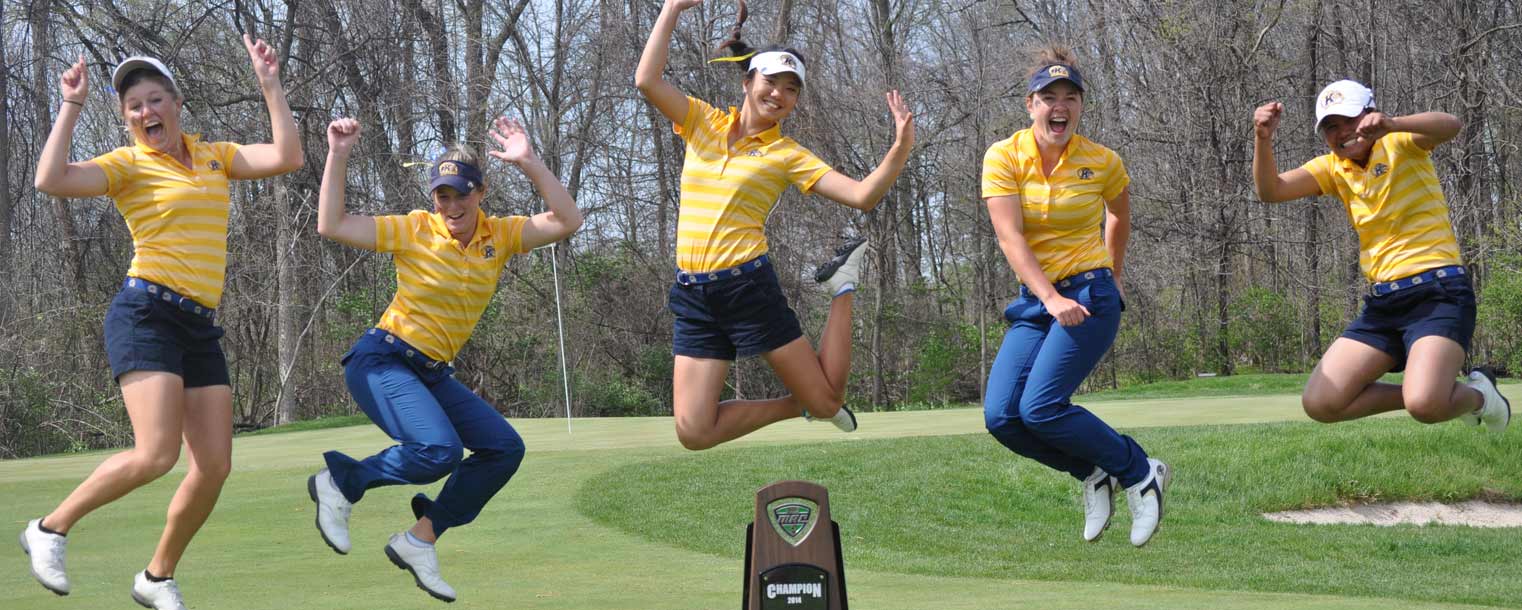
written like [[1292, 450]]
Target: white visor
[[135, 63], [776, 62]]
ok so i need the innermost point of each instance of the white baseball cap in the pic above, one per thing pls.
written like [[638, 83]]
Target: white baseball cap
[[777, 62], [138, 62], [1343, 98]]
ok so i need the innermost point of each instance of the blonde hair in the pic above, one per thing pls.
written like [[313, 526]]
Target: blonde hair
[[1048, 54], [462, 153]]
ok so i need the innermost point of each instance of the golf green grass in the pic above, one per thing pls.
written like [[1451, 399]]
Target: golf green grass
[[534, 548]]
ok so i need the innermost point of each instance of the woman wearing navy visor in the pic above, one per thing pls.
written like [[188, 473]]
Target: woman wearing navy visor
[[1060, 206], [161, 338], [448, 262]]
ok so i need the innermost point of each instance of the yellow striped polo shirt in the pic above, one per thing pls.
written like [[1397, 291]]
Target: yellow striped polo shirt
[[177, 215], [1396, 206], [1063, 213], [442, 286], [728, 193]]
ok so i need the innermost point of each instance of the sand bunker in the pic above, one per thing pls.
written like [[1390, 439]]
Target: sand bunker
[[1475, 513]]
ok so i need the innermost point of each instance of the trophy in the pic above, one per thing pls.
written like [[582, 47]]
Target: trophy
[[792, 551]]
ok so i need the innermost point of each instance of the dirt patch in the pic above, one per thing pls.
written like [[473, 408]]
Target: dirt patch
[[1475, 513]]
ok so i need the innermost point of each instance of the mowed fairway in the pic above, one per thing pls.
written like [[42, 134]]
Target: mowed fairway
[[533, 547]]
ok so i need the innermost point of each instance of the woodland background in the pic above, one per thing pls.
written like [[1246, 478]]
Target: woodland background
[[1218, 282]]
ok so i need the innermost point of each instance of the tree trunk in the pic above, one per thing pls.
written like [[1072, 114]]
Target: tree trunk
[[43, 84]]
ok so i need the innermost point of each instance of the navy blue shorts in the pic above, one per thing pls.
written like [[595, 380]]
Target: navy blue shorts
[[1394, 321], [740, 316], [145, 333]]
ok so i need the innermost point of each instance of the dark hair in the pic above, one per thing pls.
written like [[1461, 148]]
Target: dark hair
[[145, 74], [738, 48], [1048, 54]]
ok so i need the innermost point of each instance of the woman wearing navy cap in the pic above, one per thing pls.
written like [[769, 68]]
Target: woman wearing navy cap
[[161, 338], [1060, 206], [448, 262]]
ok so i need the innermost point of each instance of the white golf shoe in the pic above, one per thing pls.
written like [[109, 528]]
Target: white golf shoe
[[46, 551], [1495, 411], [423, 563], [1098, 503], [1146, 500], [162, 595], [842, 273], [332, 510]]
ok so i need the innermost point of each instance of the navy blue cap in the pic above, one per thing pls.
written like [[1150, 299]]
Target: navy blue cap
[[1047, 75], [458, 175]]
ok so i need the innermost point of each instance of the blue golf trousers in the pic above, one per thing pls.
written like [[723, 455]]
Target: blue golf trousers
[[433, 418], [1028, 404]]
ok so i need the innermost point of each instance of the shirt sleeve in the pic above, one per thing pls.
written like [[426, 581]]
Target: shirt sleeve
[[999, 176], [394, 233], [224, 152], [1116, 179], [1320, 168], [804, 169], [1404, 142], [510, 233], [699, 115], [119, 166]]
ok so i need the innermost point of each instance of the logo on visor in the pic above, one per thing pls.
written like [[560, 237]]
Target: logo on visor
[[449, 169], [787, 60], [1057, 72], [1331, 98]]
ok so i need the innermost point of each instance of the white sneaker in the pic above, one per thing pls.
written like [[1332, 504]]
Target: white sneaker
[[1146, 500], [163, 595], [46, 551], [843, 419], [1098, 503], [332, 510], [1495, 410], [841, 274], [423, 563]]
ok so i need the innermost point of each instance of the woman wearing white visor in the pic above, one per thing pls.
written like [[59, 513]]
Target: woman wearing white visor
[[726, 299], [161, 335]]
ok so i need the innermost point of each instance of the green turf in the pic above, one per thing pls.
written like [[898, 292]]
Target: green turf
[[532, 549]]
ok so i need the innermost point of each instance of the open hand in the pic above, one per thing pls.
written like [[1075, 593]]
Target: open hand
[[510, 136], [903, 119]]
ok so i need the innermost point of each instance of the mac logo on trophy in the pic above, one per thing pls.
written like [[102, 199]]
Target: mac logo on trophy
[[792, 551]]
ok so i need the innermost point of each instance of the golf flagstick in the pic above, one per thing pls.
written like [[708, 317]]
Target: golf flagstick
[[565, 378]]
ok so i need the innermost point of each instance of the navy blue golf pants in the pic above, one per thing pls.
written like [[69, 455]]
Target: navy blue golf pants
[[1028, 403], [433, 418]]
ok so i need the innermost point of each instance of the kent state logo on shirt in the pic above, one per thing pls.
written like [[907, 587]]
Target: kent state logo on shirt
[[1085, 173], [1380, 169], [755, 152], [488, 252], [215, 165]]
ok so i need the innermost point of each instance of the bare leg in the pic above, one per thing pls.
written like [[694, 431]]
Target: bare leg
[[209, 435], [1429, 390], [155, 404]]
